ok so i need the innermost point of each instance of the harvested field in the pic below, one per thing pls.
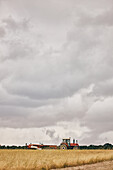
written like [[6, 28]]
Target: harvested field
[[50, 159]]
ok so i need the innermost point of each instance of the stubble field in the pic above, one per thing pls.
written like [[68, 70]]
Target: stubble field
[[50, 159]]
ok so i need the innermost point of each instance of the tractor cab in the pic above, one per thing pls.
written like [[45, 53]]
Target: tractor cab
[[67, 141]]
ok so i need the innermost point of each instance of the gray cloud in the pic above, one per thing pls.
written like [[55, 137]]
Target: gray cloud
[[104, 88], [2, 32], [50, 133], [10, 23], [104, 18], [56, 67]]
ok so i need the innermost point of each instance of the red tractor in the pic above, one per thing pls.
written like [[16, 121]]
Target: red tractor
[[64, 145], [67, 145]]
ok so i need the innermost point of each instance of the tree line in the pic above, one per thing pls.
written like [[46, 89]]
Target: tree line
[[105, 146], [12, 147]]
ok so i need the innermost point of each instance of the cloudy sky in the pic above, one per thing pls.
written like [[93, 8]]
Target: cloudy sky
[[56, 71]]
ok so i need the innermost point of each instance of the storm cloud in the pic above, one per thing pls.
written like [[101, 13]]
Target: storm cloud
[[56, 70]]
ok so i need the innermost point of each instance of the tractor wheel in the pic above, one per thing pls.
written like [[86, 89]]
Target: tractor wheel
[[75, 147], [63, 147]]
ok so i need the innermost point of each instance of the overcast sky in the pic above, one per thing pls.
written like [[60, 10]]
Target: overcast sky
[[56, 71]]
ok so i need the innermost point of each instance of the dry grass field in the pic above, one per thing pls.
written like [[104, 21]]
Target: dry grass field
[[50, 159]]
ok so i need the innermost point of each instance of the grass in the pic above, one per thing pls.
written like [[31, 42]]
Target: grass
[[50, 159]]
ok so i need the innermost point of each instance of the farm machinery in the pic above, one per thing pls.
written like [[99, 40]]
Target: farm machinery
[[65, 144], [41, 146]]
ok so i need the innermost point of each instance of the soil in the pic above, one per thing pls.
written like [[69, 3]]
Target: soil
[[107, 165]]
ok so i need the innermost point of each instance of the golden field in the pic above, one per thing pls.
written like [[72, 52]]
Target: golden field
[[50, 159]]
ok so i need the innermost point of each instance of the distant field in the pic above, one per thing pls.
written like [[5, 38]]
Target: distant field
[[50, 159]]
